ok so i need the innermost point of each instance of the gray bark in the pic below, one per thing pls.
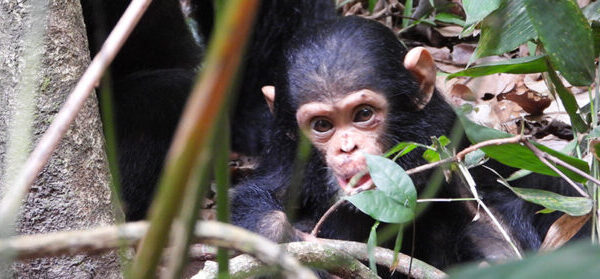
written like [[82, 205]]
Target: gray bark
[[43, 52]]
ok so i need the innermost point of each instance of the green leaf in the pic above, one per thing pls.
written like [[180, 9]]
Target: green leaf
[[379, 206], [372, 4], [391, 179], [477, 10], [504, 29], [546, 211], [574, 206], [519, 156], [402, 147], [474, 158], [568, 41], [450, 18], [596, 36], [522, 65], [371, 244], [431, 156], [518, 174], [444, 141], [397, 246], [578, 261], [568, 100]]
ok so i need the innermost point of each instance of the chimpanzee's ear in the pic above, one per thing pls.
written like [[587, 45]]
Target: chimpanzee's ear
[[269, 93], [420, 63]]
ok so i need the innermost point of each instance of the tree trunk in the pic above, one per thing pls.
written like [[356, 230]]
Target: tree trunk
[[43, 52]]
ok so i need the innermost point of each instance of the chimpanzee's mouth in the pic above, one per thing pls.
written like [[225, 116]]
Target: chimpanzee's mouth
[[360, 180]]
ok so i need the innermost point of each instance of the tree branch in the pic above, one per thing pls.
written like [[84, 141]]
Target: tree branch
[[318, 254], [313, 254], [111, 237]]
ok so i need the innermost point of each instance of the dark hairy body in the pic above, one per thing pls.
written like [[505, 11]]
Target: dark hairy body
[[153, 73], [325, 68]]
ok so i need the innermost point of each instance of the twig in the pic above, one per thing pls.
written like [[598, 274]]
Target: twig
[[542, 156], [461, 155], [320, 254], [569, 167], [329, 211], [456, 158], [11, 202]]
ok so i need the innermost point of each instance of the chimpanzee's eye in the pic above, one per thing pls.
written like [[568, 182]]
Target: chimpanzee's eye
[[321, 125], [363, 114]]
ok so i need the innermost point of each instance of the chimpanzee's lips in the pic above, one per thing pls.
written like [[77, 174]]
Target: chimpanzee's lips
[[365, 180]]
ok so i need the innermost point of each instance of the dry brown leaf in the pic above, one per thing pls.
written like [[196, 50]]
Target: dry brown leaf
[[449, 31], [495, 84], [536, 83], [593, 144], [563, 230], [450, 68], [439, 54], [531, 102], [461, 53], [462, 91]]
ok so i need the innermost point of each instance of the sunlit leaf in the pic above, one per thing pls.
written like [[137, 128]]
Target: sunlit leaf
[[402, 147], [568, 42], [505, 29], [477, 10], [431, 156], [522, 65]]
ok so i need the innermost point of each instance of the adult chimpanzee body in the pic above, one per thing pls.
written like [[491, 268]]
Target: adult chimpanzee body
[[151, 77], [345, 86], [153, 73]]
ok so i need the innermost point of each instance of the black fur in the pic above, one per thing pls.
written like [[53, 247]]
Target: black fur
[[277, 21], [345, 55], [154, 71], [151, 76]]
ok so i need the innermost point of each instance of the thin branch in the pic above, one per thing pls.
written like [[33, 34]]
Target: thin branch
[[10, 204], [329, 211], [570, 167], [542, 156], [461, 155]]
